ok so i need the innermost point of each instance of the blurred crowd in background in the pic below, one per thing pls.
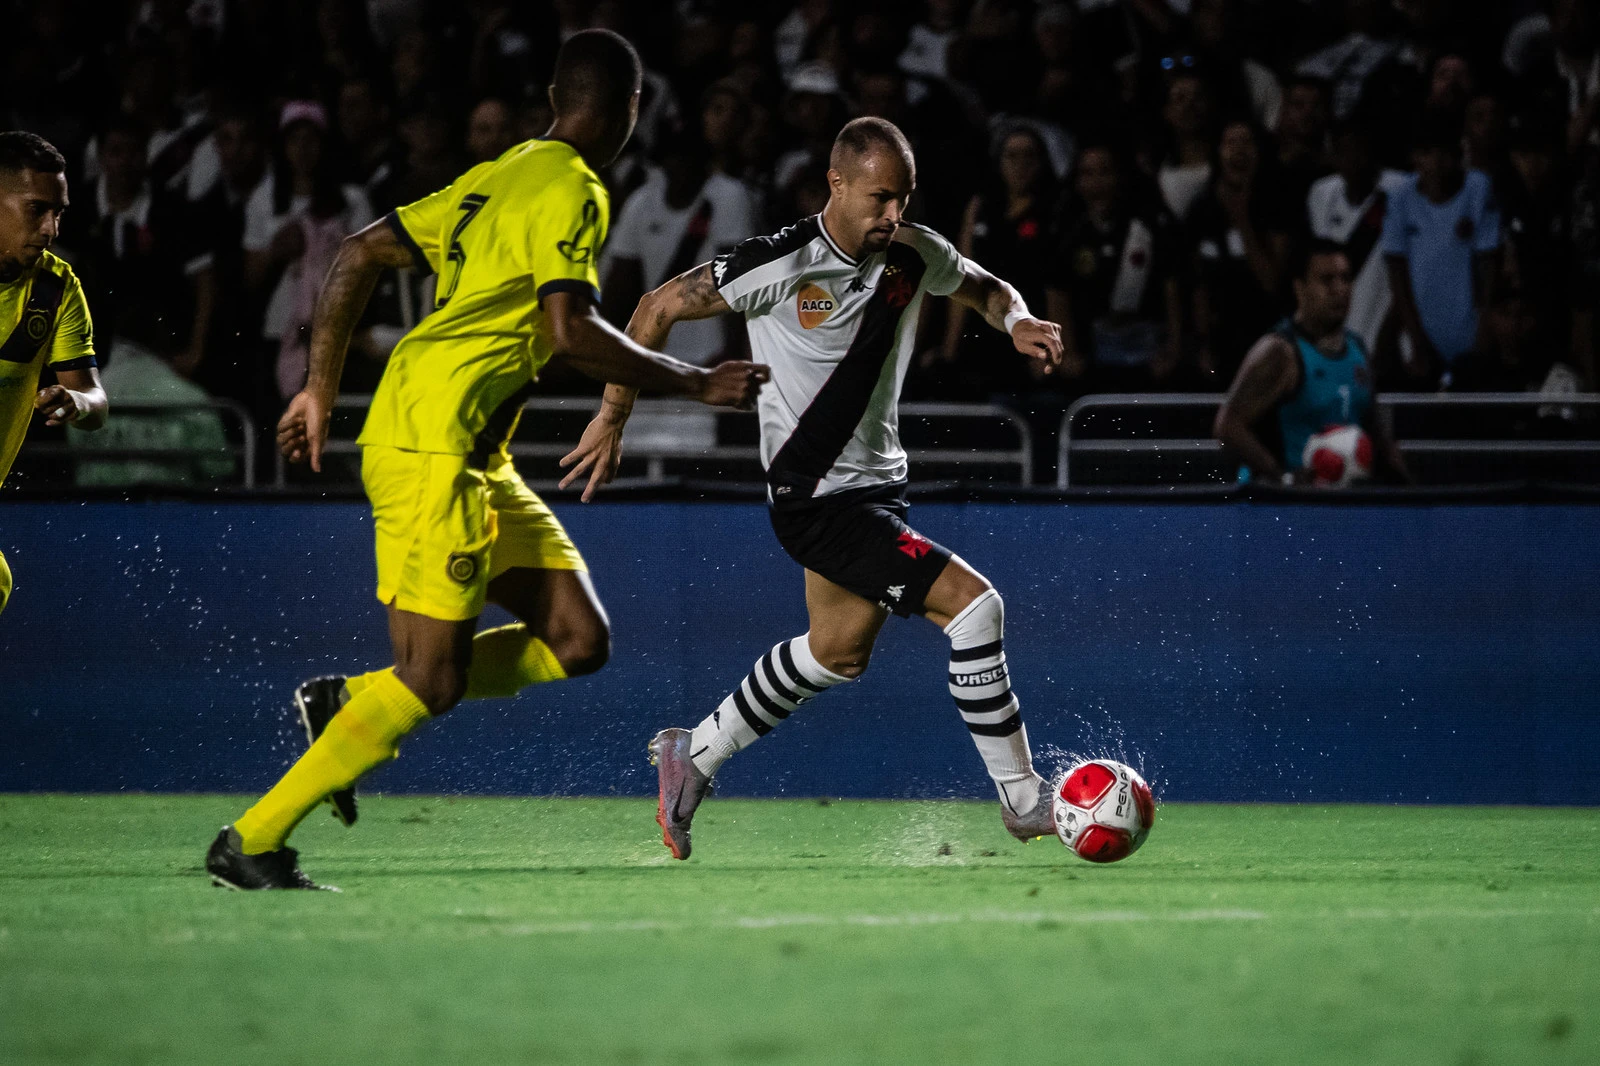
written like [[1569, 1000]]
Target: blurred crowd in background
[[1139, 169]]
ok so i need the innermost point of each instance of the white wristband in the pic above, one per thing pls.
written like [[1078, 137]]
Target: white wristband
[[1014, 317]]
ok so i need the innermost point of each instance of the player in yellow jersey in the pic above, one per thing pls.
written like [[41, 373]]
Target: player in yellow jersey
[[515, 244], [44, 318]]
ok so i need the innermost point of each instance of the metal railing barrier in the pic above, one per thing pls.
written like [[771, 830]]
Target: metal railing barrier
[[666, 433], [240, 451], [1121, 439]]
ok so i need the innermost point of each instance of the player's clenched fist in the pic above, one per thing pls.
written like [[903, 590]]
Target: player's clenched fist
[[60, 405], [733, 385], [303, 430], [1040, 339]]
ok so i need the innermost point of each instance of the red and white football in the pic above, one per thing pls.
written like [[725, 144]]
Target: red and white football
[[1104, 810], [1338, 456]]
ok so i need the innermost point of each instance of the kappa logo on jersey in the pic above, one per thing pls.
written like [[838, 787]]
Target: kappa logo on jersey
[[579, 248], [815, 305], [914, 544]]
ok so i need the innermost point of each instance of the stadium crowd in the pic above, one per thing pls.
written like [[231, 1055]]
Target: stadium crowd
[[1139, 169]]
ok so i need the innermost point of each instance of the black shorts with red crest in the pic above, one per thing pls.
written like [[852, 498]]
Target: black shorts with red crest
[[859, 540]]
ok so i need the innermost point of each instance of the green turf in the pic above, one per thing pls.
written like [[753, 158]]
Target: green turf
[[536, 931]]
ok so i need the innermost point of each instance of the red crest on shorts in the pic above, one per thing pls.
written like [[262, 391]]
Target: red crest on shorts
[[914, 544]]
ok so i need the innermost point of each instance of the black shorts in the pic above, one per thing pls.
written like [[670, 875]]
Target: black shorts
[[859, 540]]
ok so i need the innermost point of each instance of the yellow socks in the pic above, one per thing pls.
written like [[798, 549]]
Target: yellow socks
[[507, 660], [367, 730], [504, 662], [354, 685], [364, 734]]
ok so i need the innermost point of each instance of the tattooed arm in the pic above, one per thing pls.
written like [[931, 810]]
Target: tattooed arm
[[362, 257], [692, 294], [1002, 306]]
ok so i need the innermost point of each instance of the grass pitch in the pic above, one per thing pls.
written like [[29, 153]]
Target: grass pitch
[[481, 931]]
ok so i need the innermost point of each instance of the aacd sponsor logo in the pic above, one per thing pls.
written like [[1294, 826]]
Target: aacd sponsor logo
[[816, 304]]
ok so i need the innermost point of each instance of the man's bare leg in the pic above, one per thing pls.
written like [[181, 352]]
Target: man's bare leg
[[431, 657], [561, 631], [844, 627]]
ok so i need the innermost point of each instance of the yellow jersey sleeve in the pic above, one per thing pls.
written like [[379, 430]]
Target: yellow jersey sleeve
[[567, 235], [72, 347], [420, 227]]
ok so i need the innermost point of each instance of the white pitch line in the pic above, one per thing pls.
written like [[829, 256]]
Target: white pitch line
[[484, 924], [1389, 914], [912, 920], [784, 921]]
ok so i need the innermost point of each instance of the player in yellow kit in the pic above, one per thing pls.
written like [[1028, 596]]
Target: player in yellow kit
[[44, 318], [515, 244]]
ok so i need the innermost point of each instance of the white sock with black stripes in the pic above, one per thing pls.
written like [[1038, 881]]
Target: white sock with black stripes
[[786, 677], [981, 686]]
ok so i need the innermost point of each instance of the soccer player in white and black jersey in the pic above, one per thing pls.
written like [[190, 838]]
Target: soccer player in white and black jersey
[[831, 305]]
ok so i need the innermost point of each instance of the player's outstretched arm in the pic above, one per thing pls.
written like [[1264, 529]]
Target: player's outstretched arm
[[692, 294], [595, 347], [1003, 308], [77, 399], [303, 429], [1268, 374]]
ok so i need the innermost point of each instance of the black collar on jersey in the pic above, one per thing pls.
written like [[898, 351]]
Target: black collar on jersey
[[822, 227], [38, 318]]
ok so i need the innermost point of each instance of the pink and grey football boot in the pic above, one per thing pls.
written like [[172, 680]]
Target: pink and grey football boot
[[681, 788]]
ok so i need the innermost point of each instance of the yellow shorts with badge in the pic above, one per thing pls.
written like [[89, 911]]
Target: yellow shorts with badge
[[444, 529]]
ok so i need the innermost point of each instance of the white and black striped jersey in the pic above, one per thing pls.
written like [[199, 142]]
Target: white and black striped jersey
[[838, 335]]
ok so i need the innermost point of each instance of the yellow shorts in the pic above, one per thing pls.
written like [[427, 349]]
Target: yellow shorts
[[444, 530]]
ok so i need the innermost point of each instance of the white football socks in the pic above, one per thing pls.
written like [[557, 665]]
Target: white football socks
[[981, 686], [786, 677]]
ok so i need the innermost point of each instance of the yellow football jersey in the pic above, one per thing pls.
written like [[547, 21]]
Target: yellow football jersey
[[43, 319], [504, 236]]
